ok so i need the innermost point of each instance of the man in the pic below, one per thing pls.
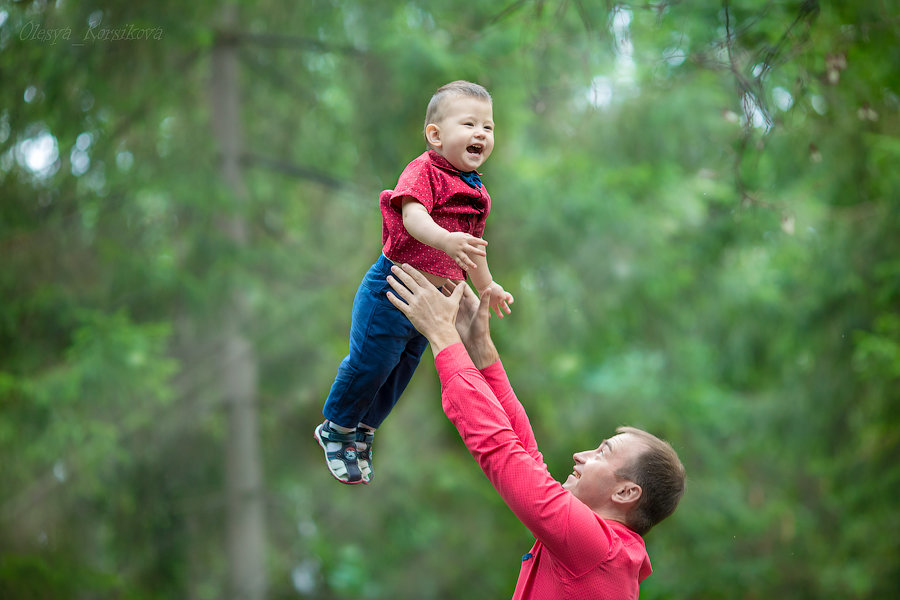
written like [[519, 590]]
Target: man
[[589, 528]]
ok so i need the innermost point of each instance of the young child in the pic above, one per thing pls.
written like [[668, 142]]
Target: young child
[[433, 220]]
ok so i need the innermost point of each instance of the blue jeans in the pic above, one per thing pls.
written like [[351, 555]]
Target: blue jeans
[[385, 350]]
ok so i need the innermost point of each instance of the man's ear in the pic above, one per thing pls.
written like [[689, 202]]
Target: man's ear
[[433, 135], [628, 492]]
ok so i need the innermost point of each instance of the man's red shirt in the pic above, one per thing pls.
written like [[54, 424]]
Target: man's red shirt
[[577, 555]]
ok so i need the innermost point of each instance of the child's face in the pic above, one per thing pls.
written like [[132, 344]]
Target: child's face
[[464, 135]]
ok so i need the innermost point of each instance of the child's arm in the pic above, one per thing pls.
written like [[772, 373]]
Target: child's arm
[[482, 280], [463, 248]]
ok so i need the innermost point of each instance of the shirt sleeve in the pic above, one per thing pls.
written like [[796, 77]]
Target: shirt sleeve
[[492, 431], [497, 379], [415, 182]]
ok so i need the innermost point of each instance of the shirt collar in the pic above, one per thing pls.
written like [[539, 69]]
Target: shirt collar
[[471, 178], [442, 163]]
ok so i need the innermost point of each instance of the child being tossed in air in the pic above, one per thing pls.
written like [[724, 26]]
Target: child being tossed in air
[[433, 220]]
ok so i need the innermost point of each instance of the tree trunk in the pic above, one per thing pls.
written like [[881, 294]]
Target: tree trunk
[[244, 476]]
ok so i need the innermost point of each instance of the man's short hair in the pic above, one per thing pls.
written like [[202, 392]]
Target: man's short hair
[[455, 88], [660, 474]]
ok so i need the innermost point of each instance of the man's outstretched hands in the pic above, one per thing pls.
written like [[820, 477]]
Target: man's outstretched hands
[[472, 324], [430, 311]]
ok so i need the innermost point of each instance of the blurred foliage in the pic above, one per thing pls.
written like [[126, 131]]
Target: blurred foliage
[[696, 207]]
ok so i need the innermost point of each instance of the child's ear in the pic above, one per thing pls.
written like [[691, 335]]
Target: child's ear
[[433, 135]]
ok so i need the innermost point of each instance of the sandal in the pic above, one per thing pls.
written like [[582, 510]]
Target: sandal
[[364, 438], [342, 458]]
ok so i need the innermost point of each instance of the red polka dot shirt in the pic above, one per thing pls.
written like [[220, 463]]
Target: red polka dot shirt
[[453, 204]]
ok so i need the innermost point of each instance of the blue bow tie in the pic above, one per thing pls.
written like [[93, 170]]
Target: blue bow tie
[[471, 178]]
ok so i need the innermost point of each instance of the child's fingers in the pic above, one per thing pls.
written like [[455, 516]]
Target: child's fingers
[[502, 305], [471, 251], [495, 306]]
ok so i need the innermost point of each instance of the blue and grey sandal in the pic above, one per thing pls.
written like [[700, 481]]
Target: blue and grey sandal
[[364, 438], [340, 453]]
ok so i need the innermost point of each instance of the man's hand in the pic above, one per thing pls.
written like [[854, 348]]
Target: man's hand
[[472, 324], [430, 311], [463, 248]]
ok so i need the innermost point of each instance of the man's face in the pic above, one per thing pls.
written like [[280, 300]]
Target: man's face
[[593, 479], [465, 132]]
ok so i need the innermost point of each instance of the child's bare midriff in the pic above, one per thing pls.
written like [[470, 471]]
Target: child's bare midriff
[[436, 280]]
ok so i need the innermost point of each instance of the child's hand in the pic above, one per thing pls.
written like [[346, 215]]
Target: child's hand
[[500, 298], [462, 248]]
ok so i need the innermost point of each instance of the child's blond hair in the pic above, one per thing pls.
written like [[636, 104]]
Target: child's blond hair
[[454, 88]]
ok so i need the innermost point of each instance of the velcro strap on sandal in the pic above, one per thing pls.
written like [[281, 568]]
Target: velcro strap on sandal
[[336, 436]]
